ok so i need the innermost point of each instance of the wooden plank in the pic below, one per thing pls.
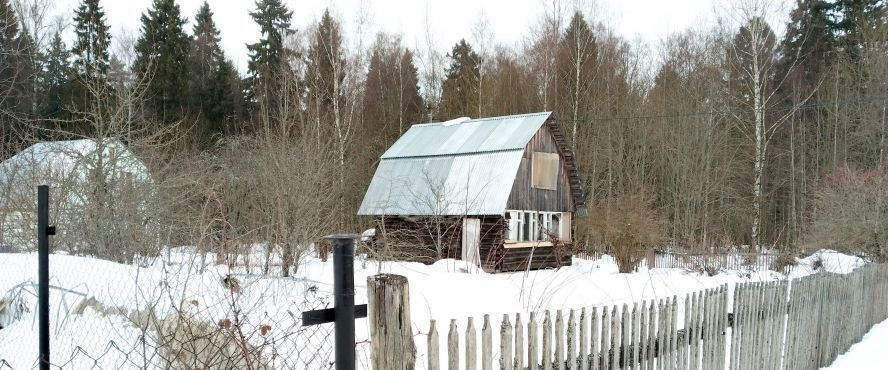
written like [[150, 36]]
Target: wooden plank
[[572, 342], [453, 347], [735, 330], [636, 335], [605, 338], [584, 335], [643, 340], [433, 348], [547, 342], [595, 340], [626, 353], [519, 342], [652, 335], [559, 341], [471, 346], [486, 345], [506, 345], [532, 350], [616, 331]]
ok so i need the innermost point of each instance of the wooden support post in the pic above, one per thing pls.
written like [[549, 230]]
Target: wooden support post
[[391, 335]]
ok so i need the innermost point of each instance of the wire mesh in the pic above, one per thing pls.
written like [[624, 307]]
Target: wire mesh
[[178, 310]]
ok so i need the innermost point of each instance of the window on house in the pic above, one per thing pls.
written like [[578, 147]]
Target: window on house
[[530, 226], [544, 170]]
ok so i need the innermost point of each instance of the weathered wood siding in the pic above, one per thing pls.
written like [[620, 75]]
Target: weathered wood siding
[[414, 240], [517, 259], [526, 197]]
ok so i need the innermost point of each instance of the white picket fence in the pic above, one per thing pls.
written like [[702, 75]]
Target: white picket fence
[[799, 324]]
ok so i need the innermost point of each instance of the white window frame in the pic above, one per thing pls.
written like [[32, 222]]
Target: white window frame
[[537, 219]]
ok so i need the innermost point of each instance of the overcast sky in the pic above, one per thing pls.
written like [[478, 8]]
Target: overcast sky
[[449, 20]]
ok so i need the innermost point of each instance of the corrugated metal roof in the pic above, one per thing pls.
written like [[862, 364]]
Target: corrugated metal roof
[[472, 136], [466, 168], [469, 184]]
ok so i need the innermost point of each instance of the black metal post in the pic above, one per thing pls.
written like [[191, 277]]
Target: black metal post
[[43, 232], [344, 299]]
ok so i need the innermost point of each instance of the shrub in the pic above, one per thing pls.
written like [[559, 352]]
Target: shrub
[[782, 262], [851, 213], [627, 225]]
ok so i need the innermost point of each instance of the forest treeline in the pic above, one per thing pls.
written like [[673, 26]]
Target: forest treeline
[[736, 135]]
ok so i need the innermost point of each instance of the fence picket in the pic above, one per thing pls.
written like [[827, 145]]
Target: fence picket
[[584, 335], [571, 342], [626, 331], [506, 344], [605, 338], [486, 345], [595, 339], [547, 342], [453, 347], [616, 331], [433, 348], [519, 342], [471, 346], [645, 334], [532, 342], [559, 341], [636, 335]]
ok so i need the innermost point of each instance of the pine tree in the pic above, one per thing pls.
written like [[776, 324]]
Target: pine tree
[[460, 93], [162, 58], [56, 74], [210, 77], [268, 55]]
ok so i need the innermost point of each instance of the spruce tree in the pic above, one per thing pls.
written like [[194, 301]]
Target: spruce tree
[[16, 78], [460, 93], [92, 41], [210, 78], [162, 58], [56, 74], [575, 66], [268, 55], [326, 69]]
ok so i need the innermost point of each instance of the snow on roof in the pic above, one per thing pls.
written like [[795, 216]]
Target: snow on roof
[[56, 161], [464, 167]]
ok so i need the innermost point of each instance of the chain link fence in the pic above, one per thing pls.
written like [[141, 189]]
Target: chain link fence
[[174, 311]]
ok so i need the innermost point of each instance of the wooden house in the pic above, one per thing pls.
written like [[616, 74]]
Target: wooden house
[[498, 192]]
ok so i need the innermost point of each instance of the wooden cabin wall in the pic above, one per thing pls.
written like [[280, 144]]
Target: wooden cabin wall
[[414, 239], [517, 259], [526, 197], [409, 240]]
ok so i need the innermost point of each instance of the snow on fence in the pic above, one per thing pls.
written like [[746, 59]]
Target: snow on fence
[[798, 324]]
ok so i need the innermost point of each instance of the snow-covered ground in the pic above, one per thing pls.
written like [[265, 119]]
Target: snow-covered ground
[[105, 313], [870, 353]]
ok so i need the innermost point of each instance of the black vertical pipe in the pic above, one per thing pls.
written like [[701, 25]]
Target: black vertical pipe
[[43, 272], [344, 300]]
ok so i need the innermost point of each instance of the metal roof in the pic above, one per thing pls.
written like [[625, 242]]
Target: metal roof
[[472, 136], [465, 168]]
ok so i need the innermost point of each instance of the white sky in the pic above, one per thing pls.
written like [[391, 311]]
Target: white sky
[[450, 20]]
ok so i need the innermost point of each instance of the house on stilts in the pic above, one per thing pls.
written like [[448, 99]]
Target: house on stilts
[[500, 193]]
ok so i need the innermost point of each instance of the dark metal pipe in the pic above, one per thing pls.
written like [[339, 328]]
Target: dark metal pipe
[[43, 272], [344, 299]]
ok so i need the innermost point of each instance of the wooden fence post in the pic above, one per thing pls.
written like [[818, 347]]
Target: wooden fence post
[[391, 334], [433, 348]]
